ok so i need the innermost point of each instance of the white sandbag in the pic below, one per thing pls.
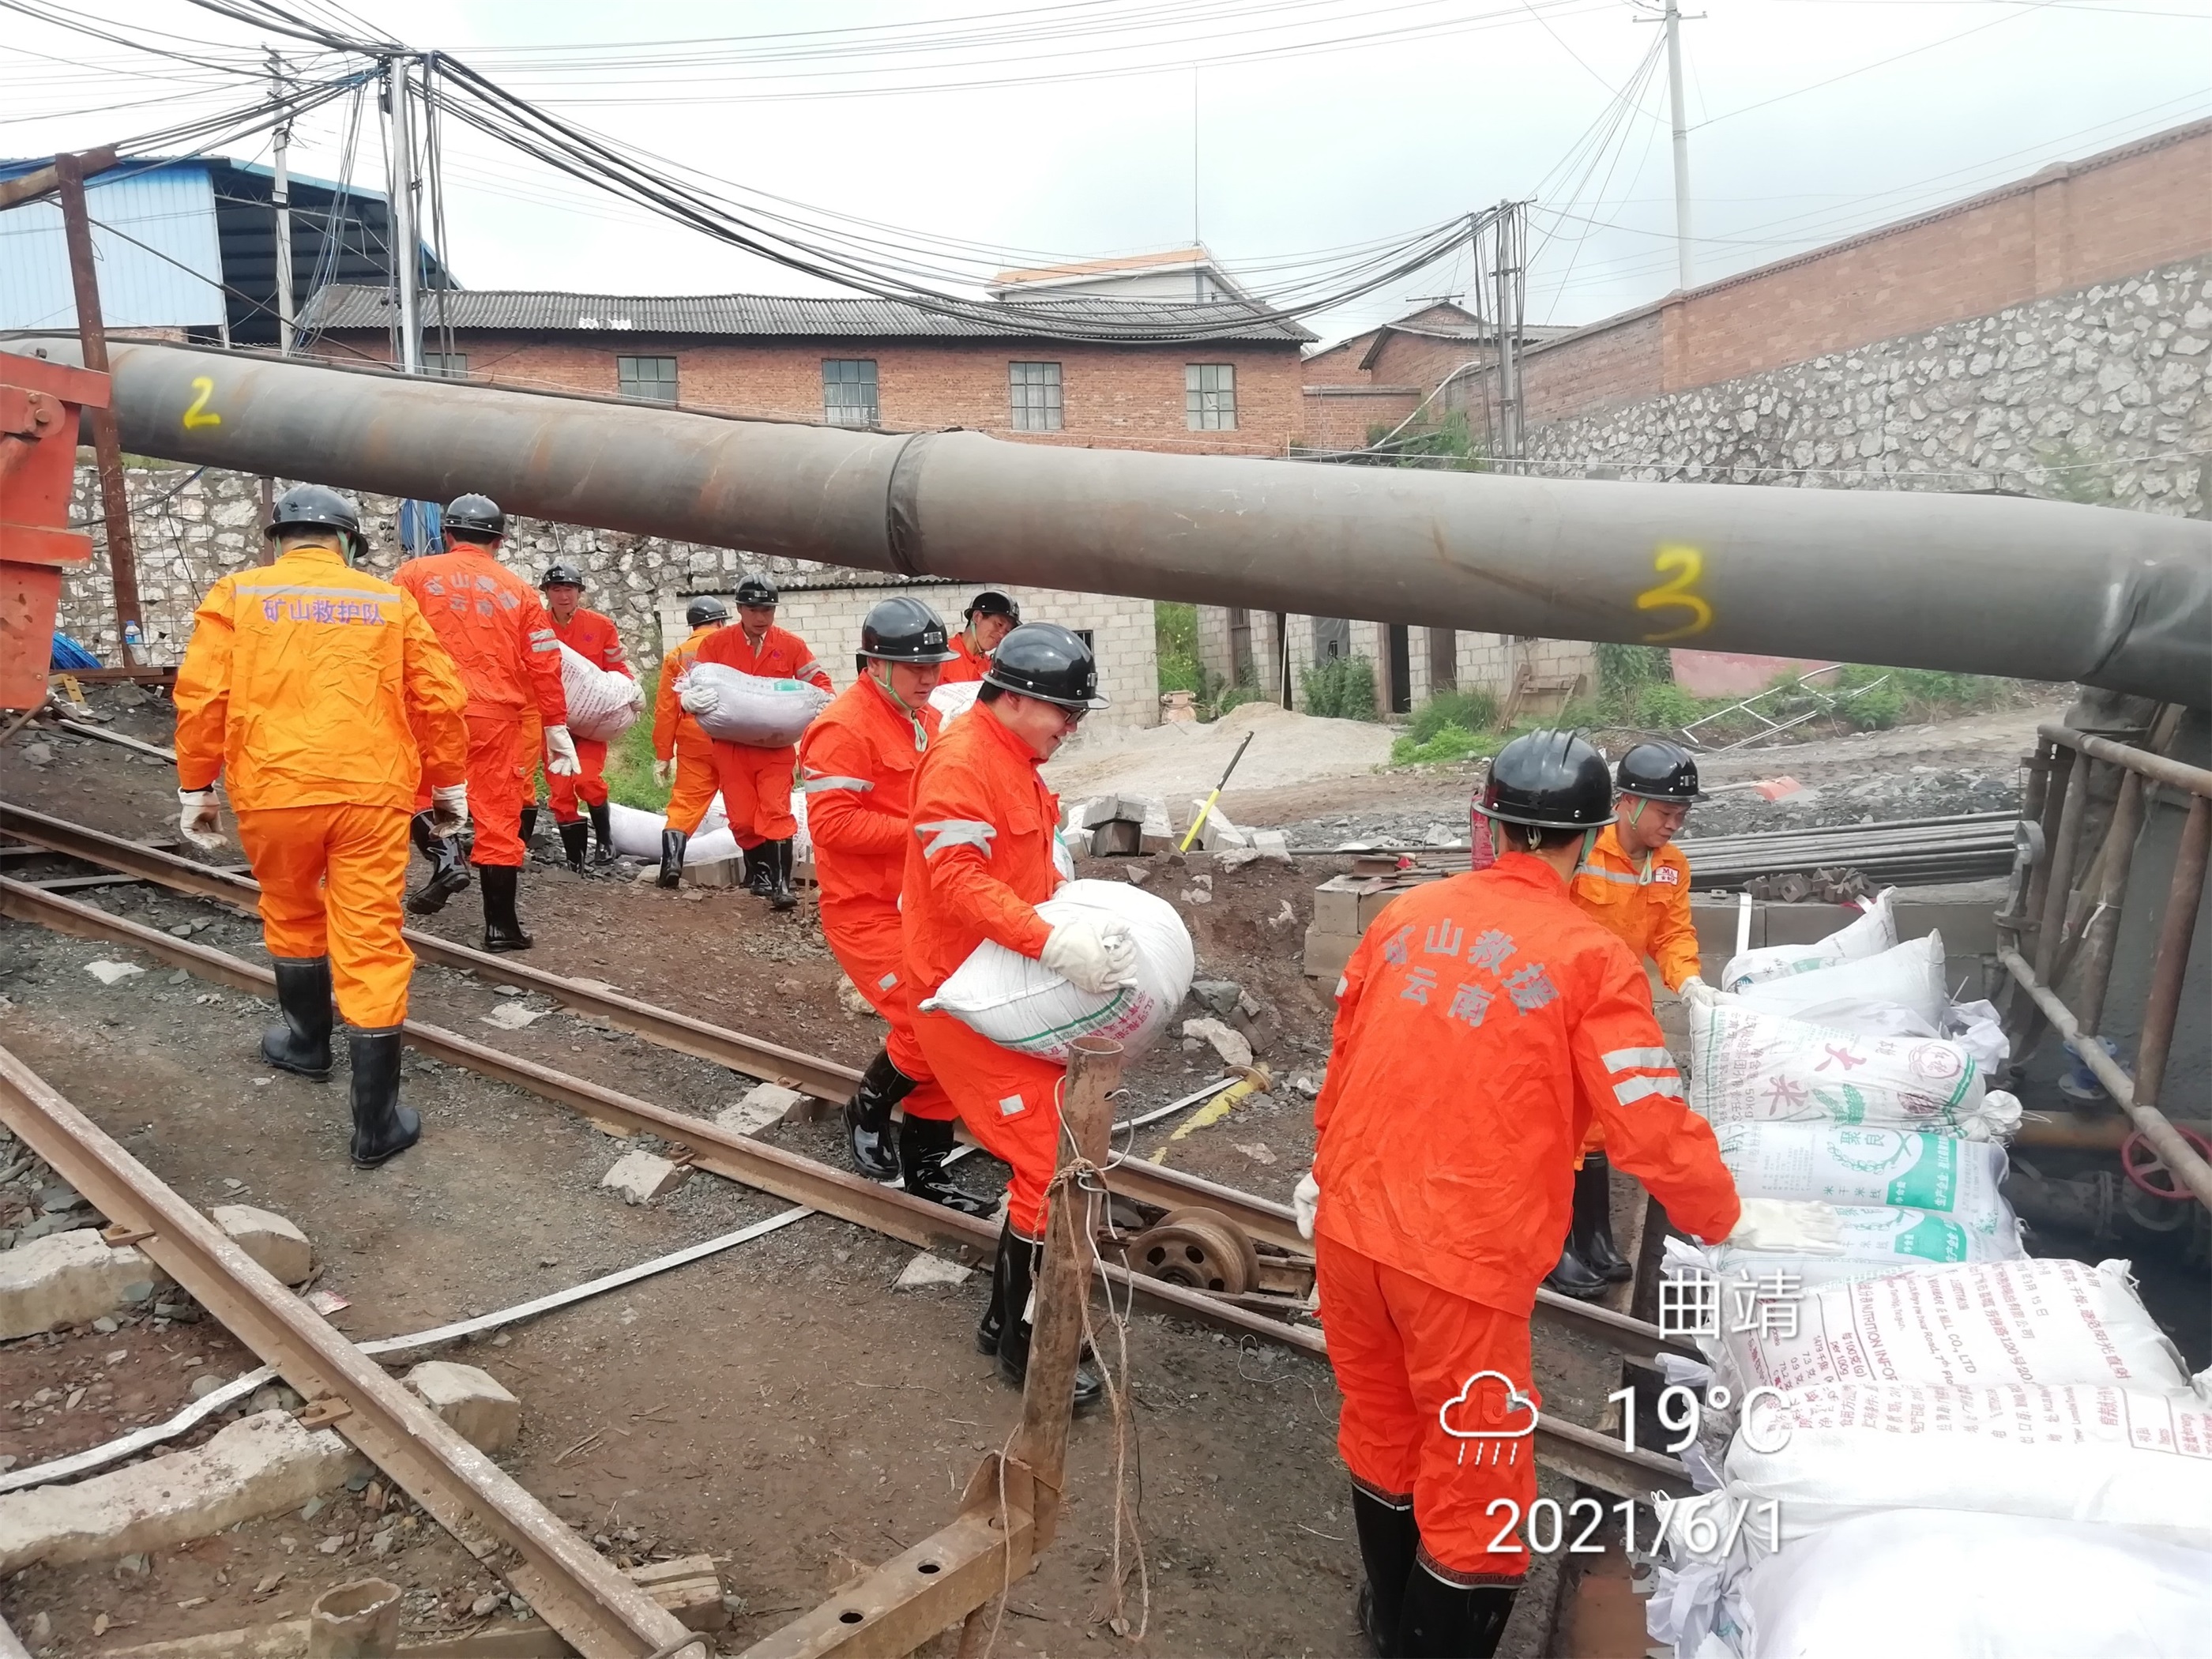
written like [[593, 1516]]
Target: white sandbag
[[952, 701], [2046, 1321], [1956, 1585], [1746, 1066], [1911, 974], [751, 708], [1019, 1004], [1886, 1235], [2118, 1457], [1874, 933], [1845, 1164], [637, 834], [602, 704]]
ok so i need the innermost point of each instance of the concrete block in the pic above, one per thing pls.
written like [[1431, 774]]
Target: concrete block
[[1326, 953], [269, 1238], [691, 1587], [1116, 838], [926, 1270], [69, 1279], [764, 1104], [1272, 844], [1158, 833], [470, 1402], [641, 1177], [1219, 834], [261, 1465], [714, 873]]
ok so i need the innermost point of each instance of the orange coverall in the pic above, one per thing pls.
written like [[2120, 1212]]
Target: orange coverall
[[1481, 1025], [495, 627], [969, 665], [322, 698], [856, 768], [977, 865], [678, 737], [592, 637], [755, 783], [1646, 908]]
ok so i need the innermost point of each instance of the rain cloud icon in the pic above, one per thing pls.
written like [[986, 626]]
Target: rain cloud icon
[[1509, 1437]]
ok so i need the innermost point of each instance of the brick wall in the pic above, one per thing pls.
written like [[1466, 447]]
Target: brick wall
[[1113, 397], [1344, 416]]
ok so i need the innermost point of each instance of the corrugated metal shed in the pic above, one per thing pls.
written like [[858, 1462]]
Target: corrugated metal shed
[[174, 281]]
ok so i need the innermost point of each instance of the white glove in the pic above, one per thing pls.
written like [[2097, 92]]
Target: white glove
[[698, 697], [1695, 992], [1091, 956], [561, 760], [1794, 1229], [663, 771], [198, 819], [449, 810], [1305, 1199]]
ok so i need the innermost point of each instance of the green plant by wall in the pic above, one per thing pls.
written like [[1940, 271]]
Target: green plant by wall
[[1449, 438], [1625, 672], [630, 758], [1445, 744], [1470, 711], [1666, 708], [1175, 638], [1341, 688]]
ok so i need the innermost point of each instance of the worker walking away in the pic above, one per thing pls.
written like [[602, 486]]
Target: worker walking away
[[491, 624], [682, 750], [322, 699], [990, 617], [1481, 1024], [856, 768], [756, 782], [978, 863], [1636, 885], [592, 636]]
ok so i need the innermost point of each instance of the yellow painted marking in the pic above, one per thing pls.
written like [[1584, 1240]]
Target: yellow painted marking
[[1688, 564], [199, 414]]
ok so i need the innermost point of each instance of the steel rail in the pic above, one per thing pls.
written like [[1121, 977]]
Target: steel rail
[[1263, 1219], [582, 1596], [1583, 1453]]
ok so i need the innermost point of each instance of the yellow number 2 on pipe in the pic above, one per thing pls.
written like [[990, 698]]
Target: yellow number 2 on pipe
[[199, 414], [1687, 565]]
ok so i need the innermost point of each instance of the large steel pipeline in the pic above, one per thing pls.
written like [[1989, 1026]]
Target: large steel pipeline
[[2043, 590]]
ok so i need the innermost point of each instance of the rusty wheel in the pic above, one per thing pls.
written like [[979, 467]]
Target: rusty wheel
[[1200, 1248]]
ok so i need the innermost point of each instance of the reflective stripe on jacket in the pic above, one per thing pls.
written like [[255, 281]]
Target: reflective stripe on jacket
[[856, 768], [1646, 907], [494, 626]]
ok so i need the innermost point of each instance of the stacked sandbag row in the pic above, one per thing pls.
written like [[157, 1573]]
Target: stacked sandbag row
[[1928, 1441]]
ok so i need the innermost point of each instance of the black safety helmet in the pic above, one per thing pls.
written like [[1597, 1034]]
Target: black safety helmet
[[758, 590], [902, 629], [475, 519], [992, 602], [561, 576], [317, 506], [1549, 780], [1049, 662], [704, 611], [1659, 771]]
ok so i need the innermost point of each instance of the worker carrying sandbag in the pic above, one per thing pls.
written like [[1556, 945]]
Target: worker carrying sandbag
[[989, 617], [979, 861], [1484, 1021], [856, 770], [592, 636], [756, 780], [682, 753], [495, 628], [1636, 884], [322, 698]]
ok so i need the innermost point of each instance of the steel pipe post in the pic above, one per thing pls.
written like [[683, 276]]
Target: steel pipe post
[[2100, 933], [2058, 866], [2171, 965]]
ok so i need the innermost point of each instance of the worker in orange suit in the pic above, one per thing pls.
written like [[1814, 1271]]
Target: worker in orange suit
[[492, 624], [322, 699], [990, 617], [591, 634], [1636, 884], [978, 864], [856, 768], [682, 750], [756, 782], [1481, 1024]]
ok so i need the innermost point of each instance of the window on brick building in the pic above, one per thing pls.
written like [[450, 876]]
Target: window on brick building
[[1209, 397], [648, 379], [448, 365], [848, 392], [1033, 389]]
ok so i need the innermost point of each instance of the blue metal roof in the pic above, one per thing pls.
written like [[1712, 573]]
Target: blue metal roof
[[153, 238]]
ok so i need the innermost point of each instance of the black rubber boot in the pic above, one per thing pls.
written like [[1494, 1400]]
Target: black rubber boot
[[992, 1325], [671, 857], [528, 826], [1451, 1621], [757, 872], [603, 834], [575, 840], [502, 927], [1387, 1538], [1014, 1275], [1590, 1237], [1572, 1276], [868, 1116], [924, 1144], [382, 1127], [779, 894], [302, 1042], [448, 874]]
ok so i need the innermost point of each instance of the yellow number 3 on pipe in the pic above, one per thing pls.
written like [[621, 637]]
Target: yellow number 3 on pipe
[[199, 414], [1687, 565]]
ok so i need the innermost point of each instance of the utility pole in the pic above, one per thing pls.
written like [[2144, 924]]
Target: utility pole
[[1681, 143], [406, 246], [1512, 280], [108, 448], [280, 197]]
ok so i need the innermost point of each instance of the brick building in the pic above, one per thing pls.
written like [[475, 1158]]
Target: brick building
[[1376, 379]]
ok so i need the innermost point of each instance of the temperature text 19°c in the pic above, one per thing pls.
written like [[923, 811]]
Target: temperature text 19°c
[[1681, 1412]]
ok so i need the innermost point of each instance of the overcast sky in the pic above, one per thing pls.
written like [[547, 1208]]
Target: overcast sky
[[1409, 112]]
